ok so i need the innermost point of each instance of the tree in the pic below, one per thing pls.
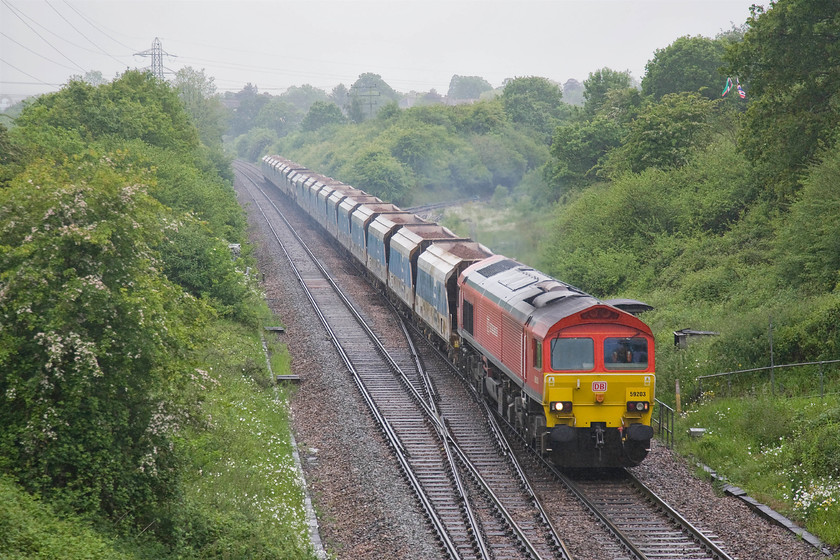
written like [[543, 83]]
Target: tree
[[279, 116], [788, 62], [377, 172], [599, 83], [808, 244], [321, 114], [249, 101], [534, 102], [577, 149], [253, 145], [368, 94], [94, 78], [480, 118], [573, 92], [665, 134], [421, 147], [198, 93], [12, 157], [432, 97], [135, 106], [580, 149], [467, 87], [688, 64], [341, 97], [302, 97]]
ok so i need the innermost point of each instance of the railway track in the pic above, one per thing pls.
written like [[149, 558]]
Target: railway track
[[431, 460], [639, 525], [460, 464], [654, 529]]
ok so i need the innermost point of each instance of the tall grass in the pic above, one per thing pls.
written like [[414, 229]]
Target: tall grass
[[243, 474]]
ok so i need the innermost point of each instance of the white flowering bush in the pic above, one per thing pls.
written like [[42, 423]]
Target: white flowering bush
[[91, 332]]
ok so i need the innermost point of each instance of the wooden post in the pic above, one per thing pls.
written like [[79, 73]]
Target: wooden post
[[679, 407]]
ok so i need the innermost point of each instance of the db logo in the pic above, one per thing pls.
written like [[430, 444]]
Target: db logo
[[599, 386]]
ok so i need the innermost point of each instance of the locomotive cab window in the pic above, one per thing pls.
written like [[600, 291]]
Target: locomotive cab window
[[625, 353], [572, 354]]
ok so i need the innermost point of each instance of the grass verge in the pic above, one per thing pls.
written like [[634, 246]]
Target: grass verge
[[782, 451]]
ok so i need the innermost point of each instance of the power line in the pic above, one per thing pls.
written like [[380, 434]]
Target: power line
[[371, 93], [97, 27], [157, 53], [15, 13], [26, 73], [80, 33], [21, 45]]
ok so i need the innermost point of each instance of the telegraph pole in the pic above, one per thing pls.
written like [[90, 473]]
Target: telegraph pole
[[371, 93], [157, 53]]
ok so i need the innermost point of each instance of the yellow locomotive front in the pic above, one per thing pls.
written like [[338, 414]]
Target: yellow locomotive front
[[598, 391]]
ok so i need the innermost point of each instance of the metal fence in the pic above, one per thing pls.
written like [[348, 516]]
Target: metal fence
[[809, 384], [664, 422]]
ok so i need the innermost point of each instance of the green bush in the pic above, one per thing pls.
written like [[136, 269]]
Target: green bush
[[31, 529]]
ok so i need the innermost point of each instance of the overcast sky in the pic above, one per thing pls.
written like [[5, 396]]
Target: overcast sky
[[414, 45]]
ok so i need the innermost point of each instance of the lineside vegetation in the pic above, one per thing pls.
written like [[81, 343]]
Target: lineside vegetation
[[139, 420]]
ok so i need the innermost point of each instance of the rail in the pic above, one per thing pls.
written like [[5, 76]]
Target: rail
[[728, 375]]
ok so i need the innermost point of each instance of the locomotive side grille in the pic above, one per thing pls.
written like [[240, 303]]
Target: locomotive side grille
[[512, 345], [468, 317]]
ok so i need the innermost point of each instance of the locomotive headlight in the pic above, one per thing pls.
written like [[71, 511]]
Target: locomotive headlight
[[638, 406], [560, 406]]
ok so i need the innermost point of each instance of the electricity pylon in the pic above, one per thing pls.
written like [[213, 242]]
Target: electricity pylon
[[156, 52]]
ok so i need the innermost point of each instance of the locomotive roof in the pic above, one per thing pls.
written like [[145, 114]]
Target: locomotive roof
[[530, 296]]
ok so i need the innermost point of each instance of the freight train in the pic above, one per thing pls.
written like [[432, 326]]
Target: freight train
[[574, 374]]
